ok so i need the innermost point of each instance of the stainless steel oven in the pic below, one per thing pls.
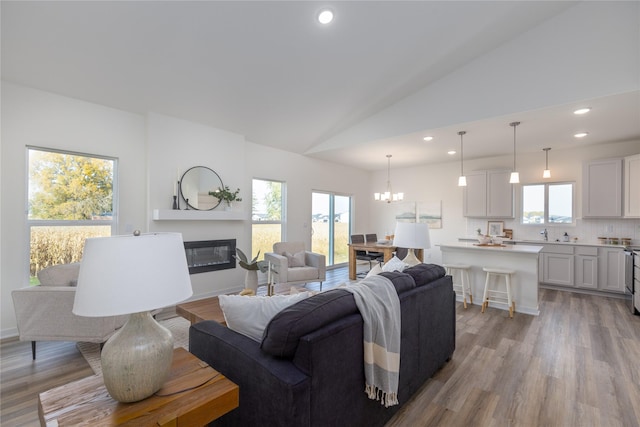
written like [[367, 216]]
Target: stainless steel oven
[[630, 279]]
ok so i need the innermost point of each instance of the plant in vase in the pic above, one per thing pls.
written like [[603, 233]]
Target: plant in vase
[[252, 267], [226, 194]]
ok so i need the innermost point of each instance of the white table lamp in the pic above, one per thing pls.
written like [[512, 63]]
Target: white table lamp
[[133, 275], [412, 236]]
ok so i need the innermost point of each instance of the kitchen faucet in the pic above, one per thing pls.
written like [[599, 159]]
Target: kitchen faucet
[[546, 236]]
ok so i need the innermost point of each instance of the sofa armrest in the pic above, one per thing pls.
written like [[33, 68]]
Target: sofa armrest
[[318, 261], [280, 266], [258, 375]]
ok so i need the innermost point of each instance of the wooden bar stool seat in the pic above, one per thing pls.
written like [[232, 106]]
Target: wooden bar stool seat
[[494, 295], [464, 286]]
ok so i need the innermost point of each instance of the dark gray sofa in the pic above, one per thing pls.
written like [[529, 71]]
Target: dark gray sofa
[[308, 370]]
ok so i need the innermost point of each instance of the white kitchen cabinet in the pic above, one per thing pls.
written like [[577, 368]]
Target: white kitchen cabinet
[[602, 188], [586, 264], [611, 269], [632, 186], [475, 195], [488, 194], [558, 265]]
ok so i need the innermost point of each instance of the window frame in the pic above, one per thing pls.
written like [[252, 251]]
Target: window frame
[[331, 220], [546, 222], [29, 222], [283, 211]]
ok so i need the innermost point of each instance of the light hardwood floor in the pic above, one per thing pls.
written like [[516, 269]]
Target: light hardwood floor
[[577, 364]]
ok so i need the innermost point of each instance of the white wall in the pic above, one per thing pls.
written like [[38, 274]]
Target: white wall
[[152, 149], [439, 182]]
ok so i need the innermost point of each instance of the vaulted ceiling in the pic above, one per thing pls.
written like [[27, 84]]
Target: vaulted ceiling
[[375, 81]]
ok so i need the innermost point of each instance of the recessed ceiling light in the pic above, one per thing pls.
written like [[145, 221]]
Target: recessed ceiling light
[[582, 111], [325, 16], [581, 134], [428, 138], [451, 152]]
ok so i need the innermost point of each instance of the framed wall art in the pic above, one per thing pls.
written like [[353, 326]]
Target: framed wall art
[[495, 228]]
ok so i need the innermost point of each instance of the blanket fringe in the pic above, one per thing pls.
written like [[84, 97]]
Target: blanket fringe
[[385, 398]]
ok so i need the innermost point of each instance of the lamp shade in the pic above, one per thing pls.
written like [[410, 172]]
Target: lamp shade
[[131, 274], [412, 235]]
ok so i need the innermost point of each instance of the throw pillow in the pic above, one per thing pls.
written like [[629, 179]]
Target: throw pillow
[[295, 260], [394, 264], [250, 315], [375, 270]]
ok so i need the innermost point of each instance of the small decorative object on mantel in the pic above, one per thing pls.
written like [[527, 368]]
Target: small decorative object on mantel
[[176, 198], [252, 267], [226, 194]]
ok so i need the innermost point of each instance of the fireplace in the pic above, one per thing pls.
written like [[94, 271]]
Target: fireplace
[[210, 255]]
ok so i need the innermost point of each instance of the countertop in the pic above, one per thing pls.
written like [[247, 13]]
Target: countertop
[[550, 242], [509, 248]]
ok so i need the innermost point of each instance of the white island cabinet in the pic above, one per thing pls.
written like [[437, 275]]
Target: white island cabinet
[[521, 258]]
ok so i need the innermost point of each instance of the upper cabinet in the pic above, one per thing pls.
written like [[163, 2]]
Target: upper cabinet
[[488, 194], [607, 192], [632, 186], [602, 188]]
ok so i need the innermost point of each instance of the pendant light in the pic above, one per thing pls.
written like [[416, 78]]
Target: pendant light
[[462, 180], [547, 172], [388, 196], [515, 176]]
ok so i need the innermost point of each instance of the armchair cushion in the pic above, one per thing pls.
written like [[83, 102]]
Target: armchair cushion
[[295, 260], [59, 275]]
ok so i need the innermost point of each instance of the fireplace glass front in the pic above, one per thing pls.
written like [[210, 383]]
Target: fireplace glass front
[[210, 255]]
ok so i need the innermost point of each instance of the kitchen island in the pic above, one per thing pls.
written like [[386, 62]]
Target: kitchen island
[[521, 258]]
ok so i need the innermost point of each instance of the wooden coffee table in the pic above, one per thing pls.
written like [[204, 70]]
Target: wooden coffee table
[[202, 309], [194, 395]]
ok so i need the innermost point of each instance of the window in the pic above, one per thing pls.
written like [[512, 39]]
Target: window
[[547, 203], [331, 225], [267, 218], [70, 198]]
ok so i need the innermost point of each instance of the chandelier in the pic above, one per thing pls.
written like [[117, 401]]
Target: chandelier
[[388, 196]]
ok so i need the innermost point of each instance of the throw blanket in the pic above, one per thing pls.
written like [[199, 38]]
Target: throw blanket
[[379, 306]]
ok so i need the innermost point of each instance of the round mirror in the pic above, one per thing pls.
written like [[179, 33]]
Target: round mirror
[[195, 186]]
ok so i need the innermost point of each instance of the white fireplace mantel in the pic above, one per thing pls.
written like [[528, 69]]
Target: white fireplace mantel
[[195, 215]]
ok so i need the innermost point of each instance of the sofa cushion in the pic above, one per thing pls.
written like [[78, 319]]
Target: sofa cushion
[[401, 281], [425, 273], [394, 264], [282, 334], [376, 269], [249, 315]]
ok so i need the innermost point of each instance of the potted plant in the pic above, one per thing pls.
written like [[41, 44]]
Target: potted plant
[[252, 267], [226, 194]]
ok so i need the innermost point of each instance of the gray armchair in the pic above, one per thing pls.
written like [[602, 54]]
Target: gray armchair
[[291, 264], [43, 312]]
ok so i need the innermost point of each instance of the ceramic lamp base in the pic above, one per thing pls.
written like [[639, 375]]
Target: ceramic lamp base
[[411, 258], [136, 360]]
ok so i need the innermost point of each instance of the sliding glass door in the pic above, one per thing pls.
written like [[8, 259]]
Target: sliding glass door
[[330, 226]]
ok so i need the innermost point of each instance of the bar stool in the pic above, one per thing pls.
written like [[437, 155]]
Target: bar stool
[[464, 287], [496, 295]]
